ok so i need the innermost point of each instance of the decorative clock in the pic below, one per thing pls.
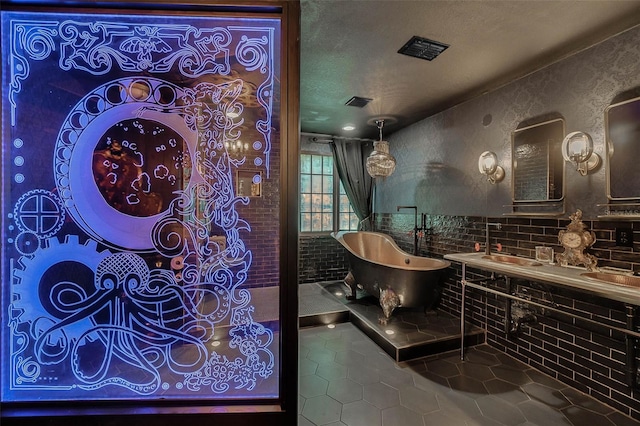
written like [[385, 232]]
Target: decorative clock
[[575, 240]]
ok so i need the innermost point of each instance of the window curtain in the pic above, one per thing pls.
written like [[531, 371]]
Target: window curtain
[[350, 160]]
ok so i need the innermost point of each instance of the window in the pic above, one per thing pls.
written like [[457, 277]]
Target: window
[[320, 191], [348, 219]]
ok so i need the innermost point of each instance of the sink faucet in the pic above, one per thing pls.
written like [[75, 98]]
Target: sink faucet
[[487, 249], [415, 226]]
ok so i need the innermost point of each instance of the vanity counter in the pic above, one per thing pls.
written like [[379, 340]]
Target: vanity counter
[[552, 274]]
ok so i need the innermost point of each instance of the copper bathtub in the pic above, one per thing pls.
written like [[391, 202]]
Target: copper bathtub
[[385, 271]]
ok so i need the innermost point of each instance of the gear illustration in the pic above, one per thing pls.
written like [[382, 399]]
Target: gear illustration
[[32, 293], [39, 212], [26, 243]]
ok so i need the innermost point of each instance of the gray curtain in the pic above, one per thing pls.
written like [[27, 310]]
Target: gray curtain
[[350, 158]]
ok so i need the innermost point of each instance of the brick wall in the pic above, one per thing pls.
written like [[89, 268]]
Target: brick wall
[[263, 215], [320, 258], [519, 236]]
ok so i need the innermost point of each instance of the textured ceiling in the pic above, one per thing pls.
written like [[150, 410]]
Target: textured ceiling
[[349, 48]]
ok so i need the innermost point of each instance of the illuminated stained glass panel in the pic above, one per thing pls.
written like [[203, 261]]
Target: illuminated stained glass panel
[[128, 254]]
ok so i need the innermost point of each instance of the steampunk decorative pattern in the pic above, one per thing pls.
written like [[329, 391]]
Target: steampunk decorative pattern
[[124, 263]]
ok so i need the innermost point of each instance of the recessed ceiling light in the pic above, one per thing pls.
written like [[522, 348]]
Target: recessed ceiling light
[[349, 127], [331, 326], [389, 331]]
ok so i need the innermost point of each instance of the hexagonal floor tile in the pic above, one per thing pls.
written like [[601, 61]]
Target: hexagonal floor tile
[[500, 411], [363, 374], [322, 410], [331, 371], [401, 416], [345, 390], [551, 397], [380, 395], [443, 368], [361, 413], [418, 400], [311, 386]]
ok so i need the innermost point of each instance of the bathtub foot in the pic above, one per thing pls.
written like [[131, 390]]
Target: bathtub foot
[[350, 281], [389, 300]]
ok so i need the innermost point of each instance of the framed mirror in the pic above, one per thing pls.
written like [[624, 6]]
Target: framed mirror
[[622, 125], [537, 163]]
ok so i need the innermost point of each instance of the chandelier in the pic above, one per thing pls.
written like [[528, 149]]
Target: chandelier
[[236, 147], [380, 163]]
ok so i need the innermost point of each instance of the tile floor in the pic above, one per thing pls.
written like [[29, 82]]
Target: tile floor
[[347, 379]]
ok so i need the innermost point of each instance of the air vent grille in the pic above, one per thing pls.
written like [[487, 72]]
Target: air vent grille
[[357, 101], [423, 48]]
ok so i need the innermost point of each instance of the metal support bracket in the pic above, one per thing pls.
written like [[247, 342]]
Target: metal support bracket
[[632, 371]]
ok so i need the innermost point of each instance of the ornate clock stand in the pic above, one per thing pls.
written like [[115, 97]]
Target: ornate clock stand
[[575, 240]]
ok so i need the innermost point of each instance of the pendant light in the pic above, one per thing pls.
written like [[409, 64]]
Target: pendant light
[[380, 163]]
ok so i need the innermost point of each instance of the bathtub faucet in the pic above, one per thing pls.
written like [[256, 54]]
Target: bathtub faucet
[[487, 249], [415, 226]]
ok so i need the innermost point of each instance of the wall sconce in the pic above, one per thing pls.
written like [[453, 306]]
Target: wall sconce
[[488, 165], [577, 148]]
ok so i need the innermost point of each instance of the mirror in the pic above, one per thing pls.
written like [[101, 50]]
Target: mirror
[[622, 123], [537, 162]]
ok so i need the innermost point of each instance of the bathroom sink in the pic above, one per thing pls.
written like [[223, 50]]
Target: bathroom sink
[[513, 260], [617, 279]]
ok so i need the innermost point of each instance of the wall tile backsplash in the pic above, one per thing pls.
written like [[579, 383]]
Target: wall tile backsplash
[[320, 258]]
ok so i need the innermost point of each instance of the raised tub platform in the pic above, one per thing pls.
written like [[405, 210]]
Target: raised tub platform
[[410, 334]]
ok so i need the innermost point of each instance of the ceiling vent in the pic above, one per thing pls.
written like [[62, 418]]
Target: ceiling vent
[[423, 48], [357, 101]]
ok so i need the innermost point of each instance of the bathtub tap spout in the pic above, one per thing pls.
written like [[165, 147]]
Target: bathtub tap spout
[[415, 226], [487, 249]]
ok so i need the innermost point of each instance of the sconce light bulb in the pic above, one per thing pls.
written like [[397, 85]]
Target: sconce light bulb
[[488, 162], [577, 148], [488, 165]]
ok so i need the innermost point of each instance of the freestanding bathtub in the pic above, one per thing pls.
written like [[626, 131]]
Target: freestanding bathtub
[[385, 271]]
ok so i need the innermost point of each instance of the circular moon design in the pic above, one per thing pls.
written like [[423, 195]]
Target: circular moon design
[[90, 129]]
